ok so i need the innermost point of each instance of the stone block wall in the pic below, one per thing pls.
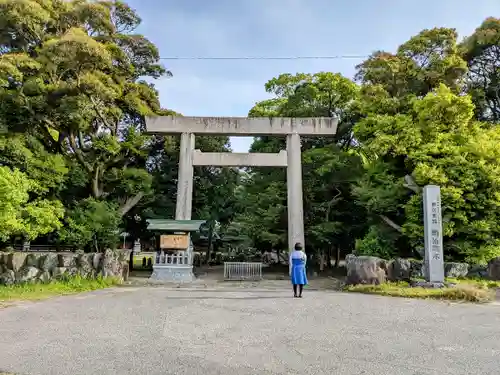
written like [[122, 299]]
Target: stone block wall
[[373, 270], [21, 267]]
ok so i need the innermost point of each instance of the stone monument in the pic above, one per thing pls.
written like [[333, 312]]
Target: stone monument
[[433, 234]]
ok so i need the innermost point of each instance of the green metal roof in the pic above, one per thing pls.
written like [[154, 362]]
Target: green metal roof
[[175, 225]]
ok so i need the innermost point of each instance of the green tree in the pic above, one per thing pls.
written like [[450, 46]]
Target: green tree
[[481, 50], [71, 75], [390, 85], [20, 215], [421, 64], [439, 143], [329, 168], [94, 222]]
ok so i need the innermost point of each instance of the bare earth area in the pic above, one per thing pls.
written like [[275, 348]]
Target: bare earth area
[[160, 330]]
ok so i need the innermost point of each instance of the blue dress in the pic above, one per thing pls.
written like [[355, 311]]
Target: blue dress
[[298, 268]]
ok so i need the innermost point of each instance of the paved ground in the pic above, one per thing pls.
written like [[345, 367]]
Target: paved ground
[[155, 330]]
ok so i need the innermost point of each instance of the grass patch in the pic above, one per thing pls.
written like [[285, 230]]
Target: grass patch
[[463, 291], [477, 282], [37, 291]]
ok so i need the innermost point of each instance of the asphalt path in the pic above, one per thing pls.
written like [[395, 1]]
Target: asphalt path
[[157, 330]]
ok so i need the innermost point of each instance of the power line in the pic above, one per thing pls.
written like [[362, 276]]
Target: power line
[[265, 57]]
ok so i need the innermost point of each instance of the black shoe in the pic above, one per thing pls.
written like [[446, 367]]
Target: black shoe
[[300, 296], [295, 296]]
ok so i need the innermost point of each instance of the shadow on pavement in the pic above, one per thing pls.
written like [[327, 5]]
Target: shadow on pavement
[[230, 298]]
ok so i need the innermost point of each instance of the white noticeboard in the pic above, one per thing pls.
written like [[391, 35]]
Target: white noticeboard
[[433, 233]]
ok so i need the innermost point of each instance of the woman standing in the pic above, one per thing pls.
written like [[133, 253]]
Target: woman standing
[[297, 263]]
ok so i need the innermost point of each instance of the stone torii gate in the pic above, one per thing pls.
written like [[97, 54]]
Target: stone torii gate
[[292, 128]]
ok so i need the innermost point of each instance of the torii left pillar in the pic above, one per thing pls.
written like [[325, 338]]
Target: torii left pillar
[[185, 178]]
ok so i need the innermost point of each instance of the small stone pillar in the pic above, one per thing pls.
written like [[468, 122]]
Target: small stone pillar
[[137, 246]]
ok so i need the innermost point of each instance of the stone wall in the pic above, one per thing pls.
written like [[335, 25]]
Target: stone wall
[[21, 267], [373, 270]]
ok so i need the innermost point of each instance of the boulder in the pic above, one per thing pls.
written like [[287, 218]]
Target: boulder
[[399, 270], [59, 272], [494, 269], [8, 277], [349, 258], [73, 271], [429, 284], [32, 260], [111, 266], [15, 261], [3, 258], [125, 270], [44, 276], [417, 268], [27, 274], [365, 270], [67, 260], [97, 261], [478, 270], [123, 255], [454, 269], [85, 264], [49, 261]]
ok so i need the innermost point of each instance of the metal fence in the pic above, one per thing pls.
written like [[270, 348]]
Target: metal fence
[[242, 271]]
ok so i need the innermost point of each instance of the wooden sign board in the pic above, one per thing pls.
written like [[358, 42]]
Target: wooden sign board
[[174, 241]]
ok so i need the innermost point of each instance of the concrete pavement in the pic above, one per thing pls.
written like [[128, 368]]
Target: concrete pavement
[[157, 330]]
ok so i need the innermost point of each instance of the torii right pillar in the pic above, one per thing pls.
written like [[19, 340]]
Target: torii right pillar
[[294, 187]]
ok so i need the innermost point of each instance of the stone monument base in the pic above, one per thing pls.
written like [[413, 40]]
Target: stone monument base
[[172, 273], [430, 284]]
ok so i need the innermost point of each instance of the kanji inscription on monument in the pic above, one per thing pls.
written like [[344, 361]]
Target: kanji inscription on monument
[[433, 234]]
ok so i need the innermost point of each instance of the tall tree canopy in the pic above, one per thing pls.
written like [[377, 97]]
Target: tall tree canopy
[[418, 128], [331, 216], [411, 120], [74, 92]]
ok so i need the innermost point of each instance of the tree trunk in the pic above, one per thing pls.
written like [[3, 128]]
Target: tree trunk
[[130, 203], [322, 260], [337, 257], [210, 240], [96, 245], [329, 264]]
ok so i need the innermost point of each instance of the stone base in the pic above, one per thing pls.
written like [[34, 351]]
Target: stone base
[[172, 274], [430, 284]]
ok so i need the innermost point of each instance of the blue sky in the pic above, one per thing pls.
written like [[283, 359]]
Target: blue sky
[[280, 28]]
